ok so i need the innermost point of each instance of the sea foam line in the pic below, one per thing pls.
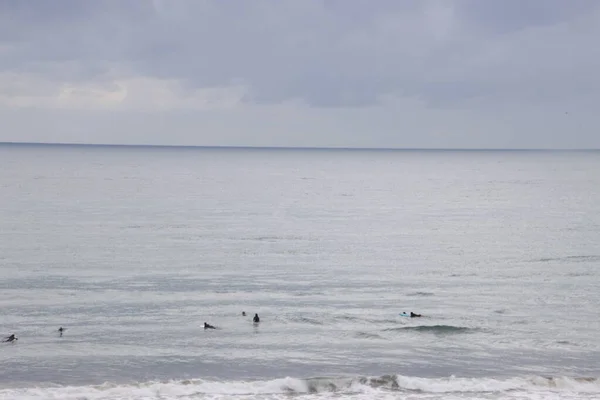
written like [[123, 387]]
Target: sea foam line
[[388, 383]]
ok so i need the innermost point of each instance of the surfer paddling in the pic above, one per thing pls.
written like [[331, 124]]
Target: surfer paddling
[[10, 338], [412, 315]]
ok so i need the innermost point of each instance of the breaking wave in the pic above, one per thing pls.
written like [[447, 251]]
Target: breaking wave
[[351, 387]]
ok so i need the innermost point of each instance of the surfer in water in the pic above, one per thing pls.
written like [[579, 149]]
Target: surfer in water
[[60, 331], [412, 314], [243, 313], [10, 338], [208, 326], [256, 320]]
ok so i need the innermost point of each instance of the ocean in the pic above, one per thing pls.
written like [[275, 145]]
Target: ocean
[[132, 249]]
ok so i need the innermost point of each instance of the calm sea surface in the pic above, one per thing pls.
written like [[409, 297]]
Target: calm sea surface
[[132, 249]]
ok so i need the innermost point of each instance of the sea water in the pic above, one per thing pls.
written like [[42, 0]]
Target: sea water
[[132, 249]]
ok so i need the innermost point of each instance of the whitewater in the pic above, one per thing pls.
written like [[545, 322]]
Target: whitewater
[[132, 249], [385, 387]]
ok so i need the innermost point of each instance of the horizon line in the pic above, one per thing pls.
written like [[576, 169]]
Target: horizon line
[[241, 147]]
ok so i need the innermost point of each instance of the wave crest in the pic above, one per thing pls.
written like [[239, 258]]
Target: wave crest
[[193, 388], [436, 329]]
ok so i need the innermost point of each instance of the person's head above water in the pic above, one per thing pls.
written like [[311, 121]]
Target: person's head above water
[[243, 313]]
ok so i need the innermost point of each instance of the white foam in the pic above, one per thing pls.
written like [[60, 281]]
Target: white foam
[[534, 383], [398, 387]]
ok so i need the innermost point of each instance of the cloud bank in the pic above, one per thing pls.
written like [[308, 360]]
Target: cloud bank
[[342, 73]]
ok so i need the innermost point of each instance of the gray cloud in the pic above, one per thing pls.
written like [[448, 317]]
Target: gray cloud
[[329, 53], [447, 55]]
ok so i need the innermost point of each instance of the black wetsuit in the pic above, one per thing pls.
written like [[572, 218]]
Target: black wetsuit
[[256, 319], [207, 326], [11, 338]]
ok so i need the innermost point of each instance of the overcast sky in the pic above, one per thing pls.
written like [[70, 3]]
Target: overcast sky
[[343, 73]]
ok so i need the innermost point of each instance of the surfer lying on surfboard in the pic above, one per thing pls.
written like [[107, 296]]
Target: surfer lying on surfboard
[[10, 338], [412, 314]]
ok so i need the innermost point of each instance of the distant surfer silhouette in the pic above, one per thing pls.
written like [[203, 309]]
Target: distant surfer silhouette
[[10, 338], [243, 313], [60, 331], [256, 319], [208, 326], [412, 314]]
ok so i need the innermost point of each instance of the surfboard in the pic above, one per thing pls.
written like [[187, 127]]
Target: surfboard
[[404, 315]]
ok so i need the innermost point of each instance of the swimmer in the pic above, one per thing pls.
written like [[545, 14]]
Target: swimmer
[[10, 338]]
